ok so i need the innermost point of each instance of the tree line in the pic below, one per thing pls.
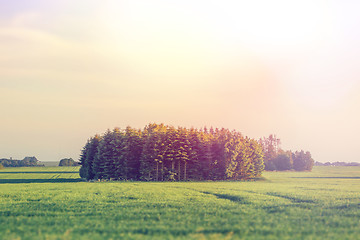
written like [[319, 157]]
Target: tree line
[[276, 158], [26, 162], [343, 164], [164, 153]]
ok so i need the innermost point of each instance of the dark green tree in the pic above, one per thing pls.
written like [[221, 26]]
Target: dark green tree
[[87, 157], [194, 164], [67, 162], [133, 150], [150, 161], [102, 158], [116, 164], [29, 161]]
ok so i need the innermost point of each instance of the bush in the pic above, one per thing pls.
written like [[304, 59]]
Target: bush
[[1, 166]]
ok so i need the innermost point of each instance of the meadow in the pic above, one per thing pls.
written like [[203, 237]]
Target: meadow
[[54, 203]]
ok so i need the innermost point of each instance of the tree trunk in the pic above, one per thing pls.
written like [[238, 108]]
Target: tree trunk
[[157, 171], [185, 170], [162, 171], [179, 170]]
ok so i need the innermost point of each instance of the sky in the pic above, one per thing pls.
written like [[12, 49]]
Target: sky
[[73, 69]]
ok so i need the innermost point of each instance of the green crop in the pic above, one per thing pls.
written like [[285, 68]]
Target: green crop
[[54, 203]]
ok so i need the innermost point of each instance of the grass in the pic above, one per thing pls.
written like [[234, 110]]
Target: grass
[[53, 203]]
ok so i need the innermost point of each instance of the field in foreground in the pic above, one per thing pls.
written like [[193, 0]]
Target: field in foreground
[[52, 203]]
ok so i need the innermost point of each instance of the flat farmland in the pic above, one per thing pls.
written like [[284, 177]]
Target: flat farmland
[[53, 203], [39, 175]]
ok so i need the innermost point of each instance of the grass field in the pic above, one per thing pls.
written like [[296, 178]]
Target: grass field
[[53, 203]]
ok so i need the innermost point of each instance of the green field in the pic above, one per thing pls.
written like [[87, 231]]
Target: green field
[[53, 203]]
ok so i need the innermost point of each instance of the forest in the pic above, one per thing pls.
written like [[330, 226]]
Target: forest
[[164, 153]]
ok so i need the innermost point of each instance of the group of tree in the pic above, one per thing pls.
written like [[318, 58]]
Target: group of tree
[[68, 162], [26, 162], [344, 164], [164, 153], [277, 159]]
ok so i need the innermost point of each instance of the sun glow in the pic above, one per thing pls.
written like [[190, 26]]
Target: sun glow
[[189, 38], [257, 66]]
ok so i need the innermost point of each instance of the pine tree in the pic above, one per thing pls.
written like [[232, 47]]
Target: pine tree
[[118, 160], [133, 150], [206, 156], [184, 152], [194, 165], [82, 160], [87, 157], [102, 161], [149, 166], [170, 153]]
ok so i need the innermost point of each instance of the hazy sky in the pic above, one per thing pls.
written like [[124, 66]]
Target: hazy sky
[[71, 69]]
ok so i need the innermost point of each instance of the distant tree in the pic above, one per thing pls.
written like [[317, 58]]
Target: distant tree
[[309, 161], [282, 162], [337, 164], [26, 162], [303, 161], [67, 162], [1, 166], [29, 161], [271, 148]]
